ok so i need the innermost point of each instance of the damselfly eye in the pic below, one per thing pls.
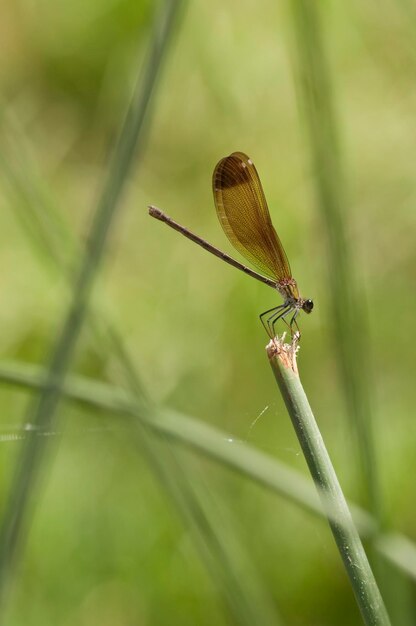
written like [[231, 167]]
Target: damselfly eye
[[308, 306]]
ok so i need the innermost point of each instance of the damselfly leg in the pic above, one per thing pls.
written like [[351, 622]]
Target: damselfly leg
[[282, 316], [294, 322], [274, 311]]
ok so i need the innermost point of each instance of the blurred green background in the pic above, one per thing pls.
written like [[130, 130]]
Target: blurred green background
[[107, 546]]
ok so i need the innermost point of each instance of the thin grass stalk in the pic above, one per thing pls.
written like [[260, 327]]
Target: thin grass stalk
[[236, 580], [239, 587], [315, 96], [215, 444], [51, 237], [347, 294], [42, 413], [32, 204], [283, 362], [224, 557]]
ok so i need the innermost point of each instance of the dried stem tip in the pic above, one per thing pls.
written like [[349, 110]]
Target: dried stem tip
[[285, 352]]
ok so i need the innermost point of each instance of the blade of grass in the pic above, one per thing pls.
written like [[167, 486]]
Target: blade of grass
[[217, 445], [27, 193], [234, 577], [347, 294], [283, 362], [228, 563], [42, 413], [315, 96], [50, 236], [222, 553]]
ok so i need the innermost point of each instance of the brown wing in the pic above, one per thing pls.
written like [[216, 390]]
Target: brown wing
[[244, 215]]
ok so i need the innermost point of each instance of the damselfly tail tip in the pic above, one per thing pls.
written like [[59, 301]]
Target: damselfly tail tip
[[154, 211]]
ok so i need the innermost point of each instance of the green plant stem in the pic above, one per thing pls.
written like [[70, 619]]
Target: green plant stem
[[283, 361], [348, 316], [43, 411]]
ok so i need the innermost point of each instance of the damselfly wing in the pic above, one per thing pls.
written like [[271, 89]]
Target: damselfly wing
[[244, 215]]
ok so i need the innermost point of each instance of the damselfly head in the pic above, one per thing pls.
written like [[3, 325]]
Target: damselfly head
[[307, 305]]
